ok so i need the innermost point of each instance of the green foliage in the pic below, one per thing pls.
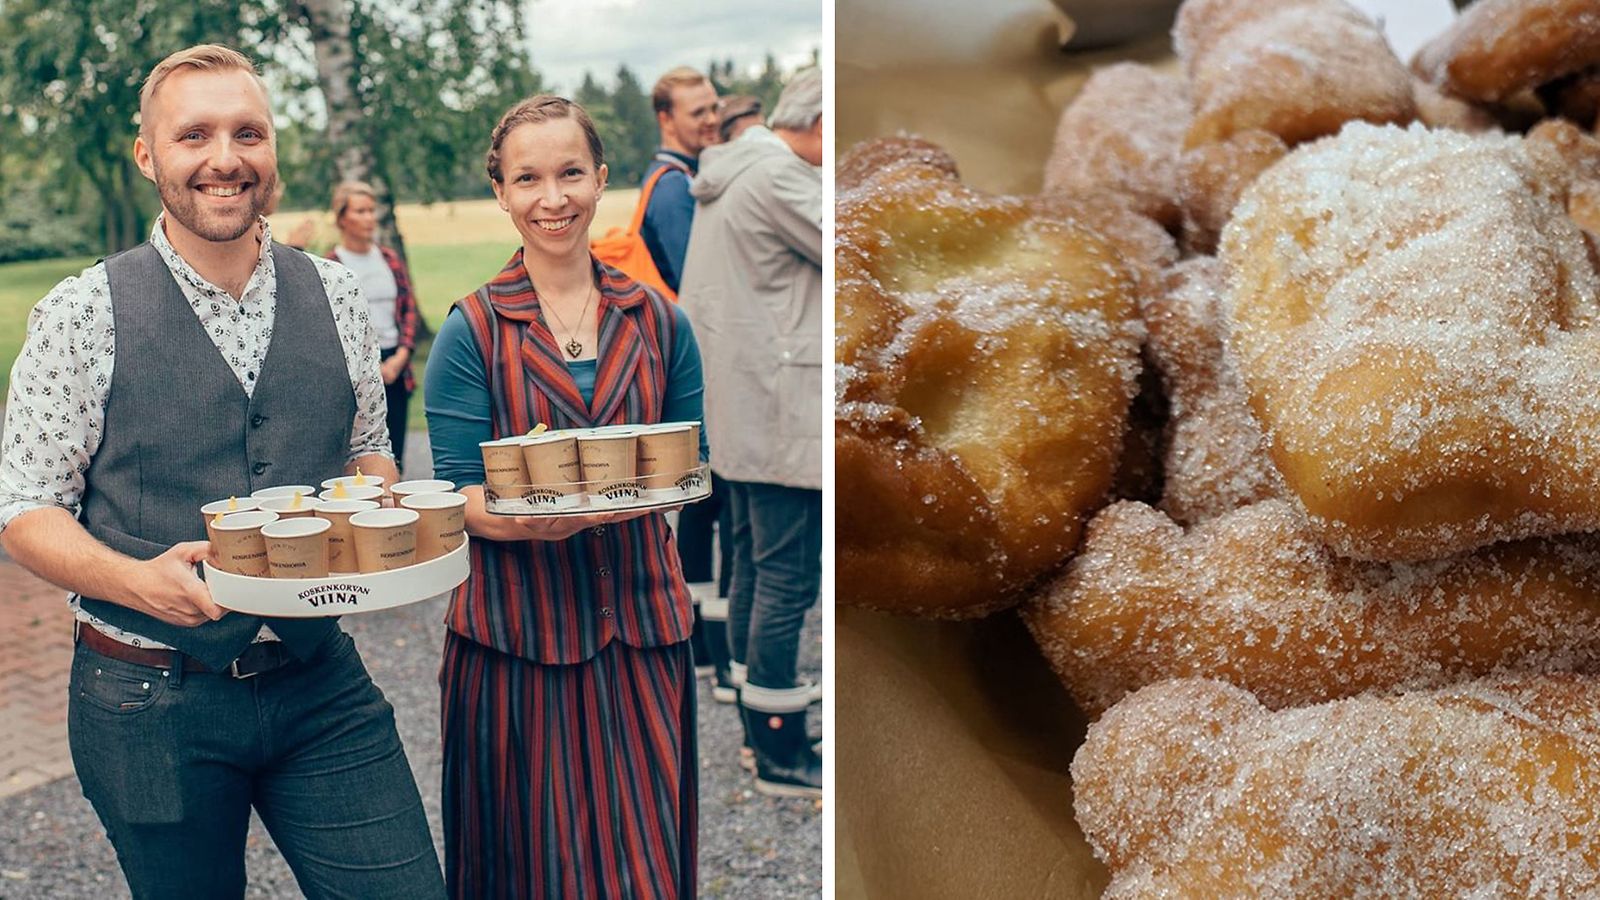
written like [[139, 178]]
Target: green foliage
[[433, 77], [71, 90], [34, 225]]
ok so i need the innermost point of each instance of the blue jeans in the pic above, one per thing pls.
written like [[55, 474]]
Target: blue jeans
[[777, 571], [173, 761]]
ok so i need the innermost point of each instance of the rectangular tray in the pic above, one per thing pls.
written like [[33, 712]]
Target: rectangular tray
[[696, 489]]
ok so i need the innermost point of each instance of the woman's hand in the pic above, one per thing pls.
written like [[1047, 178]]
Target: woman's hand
[[558, 528], [483, 524]]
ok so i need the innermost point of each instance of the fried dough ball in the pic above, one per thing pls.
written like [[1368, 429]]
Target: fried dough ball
[[1191, 788], [1123, 132], [1413, 316], [868, 158], [988, 355], [1298, 69], [1252, 598], [1212, 176], [1216, 457], [1499, 47], [1144, 246], [1437, 109], [1574, 97]]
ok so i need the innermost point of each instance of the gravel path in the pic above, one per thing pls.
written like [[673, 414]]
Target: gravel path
[[53, 848]]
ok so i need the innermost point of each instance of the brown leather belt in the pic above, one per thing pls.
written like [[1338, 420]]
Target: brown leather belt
[[263, 656]]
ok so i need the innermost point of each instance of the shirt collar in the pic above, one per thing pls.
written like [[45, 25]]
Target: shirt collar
[[182, 270], [690, 161]]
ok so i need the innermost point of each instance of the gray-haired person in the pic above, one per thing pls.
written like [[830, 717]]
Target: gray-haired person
[[207, 362], [752, 287]]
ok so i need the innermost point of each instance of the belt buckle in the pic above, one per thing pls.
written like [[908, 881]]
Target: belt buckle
[[233, 670]]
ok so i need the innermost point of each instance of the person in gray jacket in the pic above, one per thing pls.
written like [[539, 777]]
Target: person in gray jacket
[[752, 287]]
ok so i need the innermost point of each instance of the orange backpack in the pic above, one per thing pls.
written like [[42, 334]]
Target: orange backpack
[[626, 249]]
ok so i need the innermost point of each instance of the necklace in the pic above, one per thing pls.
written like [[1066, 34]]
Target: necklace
[[574, 348]]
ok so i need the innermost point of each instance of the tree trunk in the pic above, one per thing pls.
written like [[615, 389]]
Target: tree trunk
[[329, 21]]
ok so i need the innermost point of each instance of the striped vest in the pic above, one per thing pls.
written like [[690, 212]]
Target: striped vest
[[563, 601]]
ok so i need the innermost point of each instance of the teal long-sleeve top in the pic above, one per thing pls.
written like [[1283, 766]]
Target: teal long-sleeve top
[[456, 395]]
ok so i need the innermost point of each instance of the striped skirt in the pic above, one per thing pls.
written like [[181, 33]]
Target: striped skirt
[[569, 781]]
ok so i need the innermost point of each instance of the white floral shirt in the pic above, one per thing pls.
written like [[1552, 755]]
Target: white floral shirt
[[55, 413]]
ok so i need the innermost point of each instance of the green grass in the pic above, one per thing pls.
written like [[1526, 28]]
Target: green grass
[[21, 286], [440, 274]]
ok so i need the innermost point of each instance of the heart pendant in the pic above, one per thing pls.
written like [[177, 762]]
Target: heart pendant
[[574, 348]]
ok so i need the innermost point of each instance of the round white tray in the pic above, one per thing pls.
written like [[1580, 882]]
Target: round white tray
[[339, 595]]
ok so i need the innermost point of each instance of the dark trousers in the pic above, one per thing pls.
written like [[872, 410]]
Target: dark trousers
[[695, 527], [776, 545], [399, 400], [173, 762]]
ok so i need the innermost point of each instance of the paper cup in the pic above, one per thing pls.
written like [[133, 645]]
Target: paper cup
[[421, 486], [350, 481], [352, 492], [441, 523], [608, 463], [341, 536], [297, 548], [286, 509], [210, 510], [553, 470], [238, 546], [385, 539], [284, 490], [502, 461], [665, 456]]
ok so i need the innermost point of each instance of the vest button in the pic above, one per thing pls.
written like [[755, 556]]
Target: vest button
[[597, 530], [256, 421], [260, 467], [603, 572], [605, 612]]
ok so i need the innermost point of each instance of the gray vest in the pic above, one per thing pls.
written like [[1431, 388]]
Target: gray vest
[[180, 431]]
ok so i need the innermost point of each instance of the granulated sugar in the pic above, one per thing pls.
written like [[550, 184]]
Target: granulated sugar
[[1411, 312], [1486, 789]]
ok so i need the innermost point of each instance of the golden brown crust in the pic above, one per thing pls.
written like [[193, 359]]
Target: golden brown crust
[[868, 158], [988, 354], [1500, 47], [1252, 598], [1212, 176], [1298, 69], [1122, 133]]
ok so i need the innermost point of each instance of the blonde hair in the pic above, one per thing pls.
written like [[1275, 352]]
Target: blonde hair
[[541, 108], [346, 190], [682, 76], [205, 58]]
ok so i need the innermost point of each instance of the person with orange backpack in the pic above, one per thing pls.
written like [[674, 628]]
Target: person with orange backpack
[[652, 251]]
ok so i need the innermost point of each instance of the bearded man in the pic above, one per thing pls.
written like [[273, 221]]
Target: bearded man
[[208, 362]]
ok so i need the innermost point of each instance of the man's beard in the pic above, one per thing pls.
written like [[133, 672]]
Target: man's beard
[[213, 225]]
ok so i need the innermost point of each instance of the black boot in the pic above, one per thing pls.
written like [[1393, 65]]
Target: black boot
[[714, 619], [786, 764]]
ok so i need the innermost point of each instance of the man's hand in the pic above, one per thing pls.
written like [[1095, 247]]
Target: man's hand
[[168, 588]]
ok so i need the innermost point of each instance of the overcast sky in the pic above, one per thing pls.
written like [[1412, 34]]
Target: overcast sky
[[570, 37]]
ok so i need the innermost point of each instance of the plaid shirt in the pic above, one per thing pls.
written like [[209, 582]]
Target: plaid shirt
[[405, 308]]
